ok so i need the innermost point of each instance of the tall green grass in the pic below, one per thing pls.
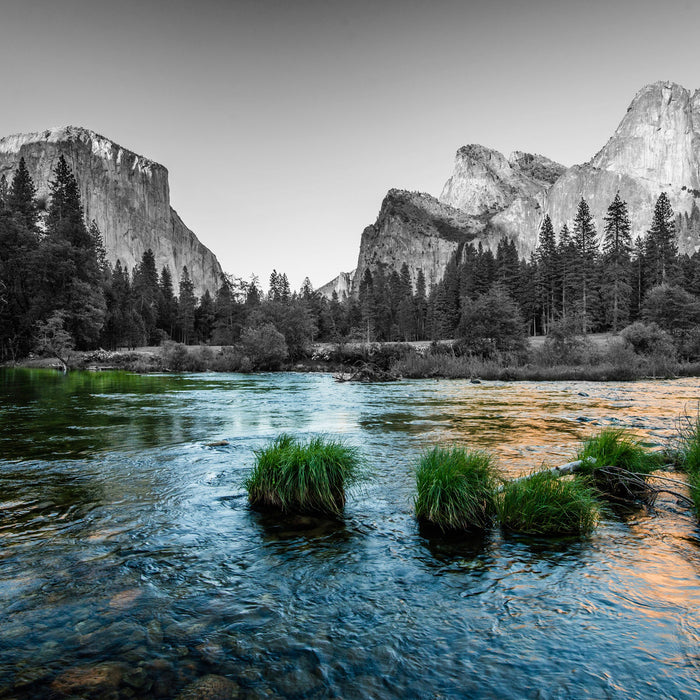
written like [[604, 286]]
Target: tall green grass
[[456, 489], [621, 464], [303, 477], [616, 447], [545, 504], [688, 451]]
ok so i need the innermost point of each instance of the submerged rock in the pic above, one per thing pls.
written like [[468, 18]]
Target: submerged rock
[[210, 687], [90, 680]]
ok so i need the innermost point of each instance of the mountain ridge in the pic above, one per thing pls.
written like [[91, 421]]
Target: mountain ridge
[[127, 194]]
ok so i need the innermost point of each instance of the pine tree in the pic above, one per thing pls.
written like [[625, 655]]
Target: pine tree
[[187, 303], [421, 306], [21, 197], [617, 246], [566, 257], [167, 303], [72, 279], [146, 293], [546, 256], [661, 246], [586, 247]]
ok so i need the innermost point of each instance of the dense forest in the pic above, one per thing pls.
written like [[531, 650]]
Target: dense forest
[[56, 286]]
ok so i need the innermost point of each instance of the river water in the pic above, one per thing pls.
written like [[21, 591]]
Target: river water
[[131, 565]]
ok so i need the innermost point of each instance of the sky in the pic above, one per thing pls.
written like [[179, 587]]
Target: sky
[[283, 123]]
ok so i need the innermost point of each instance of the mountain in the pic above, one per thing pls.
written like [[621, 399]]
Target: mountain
[[656, 148], [127, 195]]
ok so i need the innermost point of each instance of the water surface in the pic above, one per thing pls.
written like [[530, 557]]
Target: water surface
[[128, 552]]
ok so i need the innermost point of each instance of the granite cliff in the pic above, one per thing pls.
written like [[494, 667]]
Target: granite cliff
[[655, 148], [127, 195]]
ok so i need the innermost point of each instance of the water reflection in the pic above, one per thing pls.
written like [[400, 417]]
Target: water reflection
[[131, 561]]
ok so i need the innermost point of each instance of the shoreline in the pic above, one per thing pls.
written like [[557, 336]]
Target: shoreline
[[357, 362]]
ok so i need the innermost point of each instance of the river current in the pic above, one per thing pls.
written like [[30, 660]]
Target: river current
[[132, 567]]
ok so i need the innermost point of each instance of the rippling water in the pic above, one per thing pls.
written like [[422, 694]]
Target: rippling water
[[131, 566]]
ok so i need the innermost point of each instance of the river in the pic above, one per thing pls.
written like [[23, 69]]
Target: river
[[131, 565]]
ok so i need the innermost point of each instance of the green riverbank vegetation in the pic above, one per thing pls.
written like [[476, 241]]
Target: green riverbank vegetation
[[303, 477], [456, 489]]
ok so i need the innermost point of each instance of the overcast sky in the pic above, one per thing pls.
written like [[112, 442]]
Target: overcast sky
[[283, 123]]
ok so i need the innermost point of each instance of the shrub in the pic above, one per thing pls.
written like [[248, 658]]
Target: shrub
[[566, 342], [265, 346], [175, 356], [297, 477], [456, 489], [544, 504]]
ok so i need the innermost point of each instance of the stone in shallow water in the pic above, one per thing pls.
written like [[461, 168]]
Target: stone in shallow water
[[90, 680], [210, 687]]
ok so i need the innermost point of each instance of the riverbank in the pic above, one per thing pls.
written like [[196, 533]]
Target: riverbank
[[605, 359]]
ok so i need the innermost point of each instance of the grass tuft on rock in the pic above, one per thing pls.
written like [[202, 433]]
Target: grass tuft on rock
[[303, 477], [617, 464], [544, 504], [456, 489]]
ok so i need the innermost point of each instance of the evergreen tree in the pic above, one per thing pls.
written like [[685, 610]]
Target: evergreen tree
[[546, 256], [421, 306], [617, 246], [146, 293], [661, 247], [166, 317], [586, 247], [72, 281], [187, 303], [566, 259], [204, 318], [21, 197]]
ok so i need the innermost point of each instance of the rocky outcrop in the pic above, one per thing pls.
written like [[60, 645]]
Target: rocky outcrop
[[341, 285], [416, 229], [484, 182], [656, 148], [127, 195]]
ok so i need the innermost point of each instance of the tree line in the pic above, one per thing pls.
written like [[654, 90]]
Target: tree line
[[55, 278]]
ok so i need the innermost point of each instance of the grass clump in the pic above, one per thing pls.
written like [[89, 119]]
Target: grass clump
[[544, 504], [689, 443], [456, 489], [303, 477], [621, 464], [688, 453]]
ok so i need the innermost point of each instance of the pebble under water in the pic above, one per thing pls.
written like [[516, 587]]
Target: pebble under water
[[132, 567]]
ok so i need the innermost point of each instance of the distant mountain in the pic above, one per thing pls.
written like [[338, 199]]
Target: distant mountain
[[655, 148], [127, 195]]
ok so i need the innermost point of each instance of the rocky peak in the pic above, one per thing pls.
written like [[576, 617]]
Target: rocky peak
[[658, 138], [126, 194], [484, 182]]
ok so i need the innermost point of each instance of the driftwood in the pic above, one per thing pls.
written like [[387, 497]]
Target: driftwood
[[367, 373], [634, 486]]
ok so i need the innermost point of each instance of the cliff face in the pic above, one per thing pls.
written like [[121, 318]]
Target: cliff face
[[127, 195], [656, 148], [416, 229]]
